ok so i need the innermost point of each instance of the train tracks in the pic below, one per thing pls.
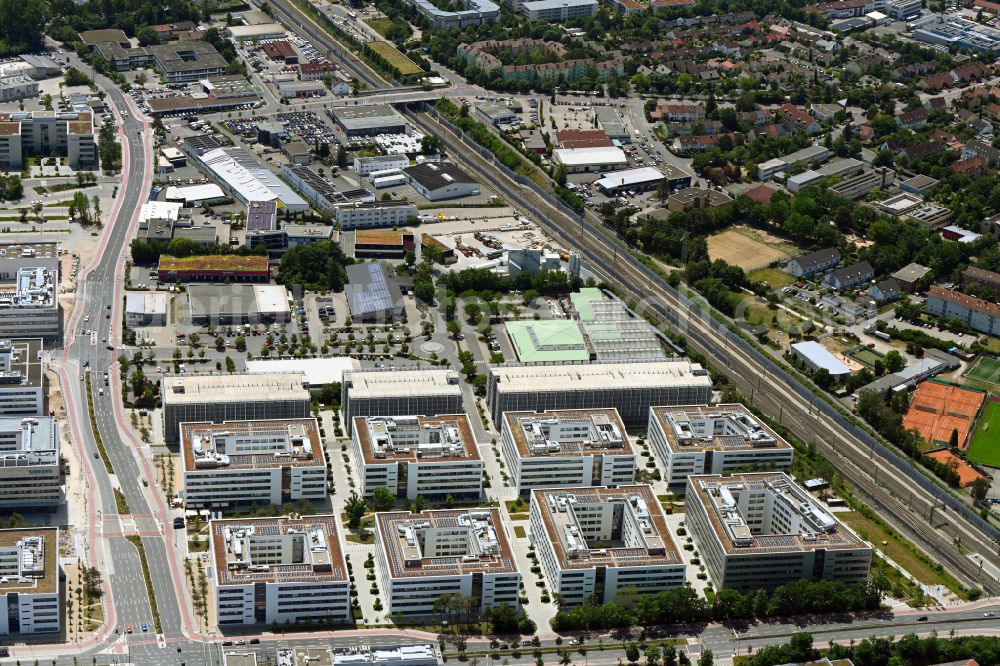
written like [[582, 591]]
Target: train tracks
[[910, 507]]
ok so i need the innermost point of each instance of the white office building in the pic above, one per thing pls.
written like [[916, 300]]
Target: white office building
[[631, 388], [596, 542], [364, 166], [393, 392], [422, 556], [367, 215], [22, 378], [29, 307], [277, 570], [762, 530], [573, 447], [716, 439], [30, 472], [243, 463], [427, 456], [29, 593], [557, 11]]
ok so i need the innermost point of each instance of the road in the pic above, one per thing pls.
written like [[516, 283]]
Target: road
[[909, 507]]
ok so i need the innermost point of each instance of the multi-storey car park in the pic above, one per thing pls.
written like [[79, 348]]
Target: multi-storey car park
[[387, 393], [239, 463], [596, 542], [276, 570], [22, 378], [29, 581], [219, 398], [714, 439], [30, 471], [761, 530], [425, 555], [631, 388], [427, 456], [572, 447]]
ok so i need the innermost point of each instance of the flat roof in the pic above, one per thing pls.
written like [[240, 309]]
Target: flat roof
[[373, 116], [247, 31], [398, 383], [725, 427], [588, 156], [568, 433], [628, 177], [146, 302], [212, 447], [21, 364], [195, 389], [37, 561], [317, 371], [645, 539], [583, 302], [400, 538], [214, 262], [234, 541], [813, 529], [245, 174], [821, 357], [547, 340], [427, 439], [205, 192], [379, 237], [599, 376]]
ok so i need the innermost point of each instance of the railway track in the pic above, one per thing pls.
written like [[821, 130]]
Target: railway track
[[910, 507]]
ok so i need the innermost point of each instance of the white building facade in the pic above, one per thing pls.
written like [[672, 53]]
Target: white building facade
[[29, 596]]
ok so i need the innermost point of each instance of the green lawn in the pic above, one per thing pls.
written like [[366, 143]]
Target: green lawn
[[519, 532], [986, 369], [775, 277], [380, 25], [985, 446]]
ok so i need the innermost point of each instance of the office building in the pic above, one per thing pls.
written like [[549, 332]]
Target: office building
[[547, 341], [29, 581], [43, 133], [806, 157], [557, 11], [252, 463], [220, 398], [29, 279], [187, 61], [955, 32], [422, 556], [30, 471], [714, 439], [858, 187], [364, 166], [321, 193], [382, 243], [278, 570], [361, 215], [631, 388], [427, 456], [393, 392], [22, 378], [978, 314], [762, 530], [596, 542], [473, 12], [573, 447], [19, 87]]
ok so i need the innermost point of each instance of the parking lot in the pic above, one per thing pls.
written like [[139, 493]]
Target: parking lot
[[305, 125]]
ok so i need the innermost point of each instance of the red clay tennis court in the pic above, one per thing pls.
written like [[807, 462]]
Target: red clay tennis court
[[967, 474], [938, 409]]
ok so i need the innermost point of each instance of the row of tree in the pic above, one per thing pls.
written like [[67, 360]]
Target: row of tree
[[684, 605], [910, 650]]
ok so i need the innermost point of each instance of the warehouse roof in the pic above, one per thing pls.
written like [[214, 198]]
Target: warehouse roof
[[819, 356], [629, 177], [435, 175], [588, 156], [548, 340], [371, 289]]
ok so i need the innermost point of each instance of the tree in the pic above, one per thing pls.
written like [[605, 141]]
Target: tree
[[230, 365], [355, 508], [341, 157], [707, 658], [893, 361], [632, 653], [652, 654], [316, 266], [418, 504], [147, 36], [454, 327], [240, 344], [108, 148], [980, 489], [430, 144], [141, 79], [383, 499]]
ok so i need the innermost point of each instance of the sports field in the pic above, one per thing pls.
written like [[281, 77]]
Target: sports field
[[985, 369], [746, 250], [985, 446]]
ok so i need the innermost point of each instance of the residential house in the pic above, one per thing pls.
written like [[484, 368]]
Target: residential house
[[972, 167], [978, 147], [797, 120], [912, 119], [851, 276], [813, 262], [885, 291]]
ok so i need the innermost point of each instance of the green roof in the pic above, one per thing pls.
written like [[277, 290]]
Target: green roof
[[548, 341], [582, 299]]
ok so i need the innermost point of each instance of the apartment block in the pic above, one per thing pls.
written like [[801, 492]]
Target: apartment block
[[761, 530], [30, 472], [422, 556], [219, 398], [978, 314], [367, 215], [43, 133], [388, 393], [573, 447], [596, 542], [714, 439], [427, 456], [241, 463], [22, 378], [631, 388], [277, 570], [29, 582]]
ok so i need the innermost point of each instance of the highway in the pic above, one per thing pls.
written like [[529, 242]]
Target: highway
[[909, 506]]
